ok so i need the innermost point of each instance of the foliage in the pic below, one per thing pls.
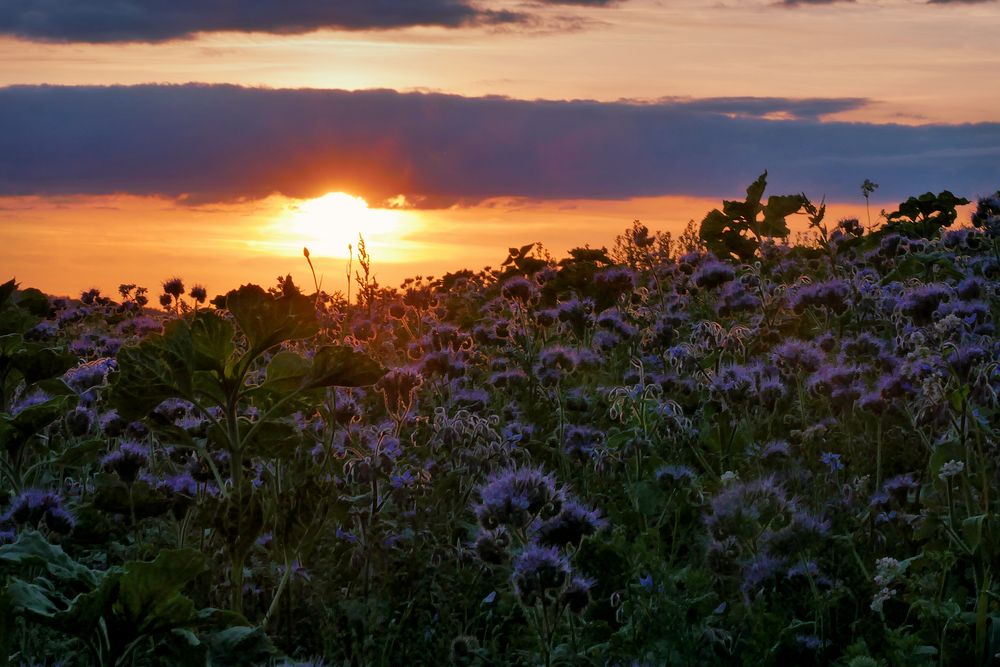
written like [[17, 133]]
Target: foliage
[[751, 452]]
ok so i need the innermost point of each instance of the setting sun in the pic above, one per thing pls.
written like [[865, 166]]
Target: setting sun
[[329, 224]]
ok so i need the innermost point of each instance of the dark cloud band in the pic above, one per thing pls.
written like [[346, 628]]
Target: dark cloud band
[[218, 143], [160, 20]]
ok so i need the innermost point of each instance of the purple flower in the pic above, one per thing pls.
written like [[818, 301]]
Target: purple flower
[[173, 287], [576, 595], [582, 440], [713, 273], [516, 496], [126, 461], [831, 461], [36, 397], [672, 477], [518, 289], [570, 526], [920, 302], [537, 571], [830, 294], [31, 506], [793, 355]]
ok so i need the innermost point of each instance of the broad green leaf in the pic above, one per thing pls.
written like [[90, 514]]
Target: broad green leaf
[[266, 320], [212, 340], [341, 366], [240, 645], [37, 362], [31, 550], [778, 208], [149, 594], [286, 372], [158, 368]]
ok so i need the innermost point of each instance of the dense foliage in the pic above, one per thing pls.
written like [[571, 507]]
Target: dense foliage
[[719, 449]]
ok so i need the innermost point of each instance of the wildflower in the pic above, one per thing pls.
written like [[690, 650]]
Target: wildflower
[[32, 506], [36, 397], [491, 545], [537, 571], [516, 496], [881, 598], [671, 477], [199, 293], [950, 469], [920, 302], [173, 287], [79, 420], [831, 461], [576, 595], [582, 440], [713, 273], [571, 525], [831, 294], [518, 289], [126, 461]]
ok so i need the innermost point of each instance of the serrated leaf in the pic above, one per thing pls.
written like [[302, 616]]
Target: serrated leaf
[[267, 321]]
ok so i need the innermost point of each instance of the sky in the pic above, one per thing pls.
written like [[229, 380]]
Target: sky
[[145, 139]]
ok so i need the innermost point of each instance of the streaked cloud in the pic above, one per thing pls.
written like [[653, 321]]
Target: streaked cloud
[[225, 143]]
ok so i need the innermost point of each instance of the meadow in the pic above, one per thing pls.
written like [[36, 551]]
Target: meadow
[[728, 447]]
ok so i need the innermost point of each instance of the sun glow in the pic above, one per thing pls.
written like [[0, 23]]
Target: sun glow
[[329, 224]]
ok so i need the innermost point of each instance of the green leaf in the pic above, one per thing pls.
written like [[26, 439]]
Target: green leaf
[[212, 341], [158, 368], [777, 209], [79, 454], [31, 550], [286, 372], [340, 366], [37, 362], [16, 430], [239, 646], [149, 594], [267, 321]]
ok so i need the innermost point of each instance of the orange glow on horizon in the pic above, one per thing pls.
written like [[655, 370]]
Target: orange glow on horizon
[[331, 225]]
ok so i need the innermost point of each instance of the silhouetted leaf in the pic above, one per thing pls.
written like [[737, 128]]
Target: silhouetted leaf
[[267, 321], [340, 366]]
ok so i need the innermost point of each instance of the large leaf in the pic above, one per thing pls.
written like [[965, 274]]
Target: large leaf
[[240, 645], [158, 368], [212, 341], [38, 362], [18, 429], [31, 550], [286, 372], [266, 320], [778, 208], [149, 594], [341, 366]]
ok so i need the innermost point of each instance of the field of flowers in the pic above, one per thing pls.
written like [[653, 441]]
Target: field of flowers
[[721, 448]]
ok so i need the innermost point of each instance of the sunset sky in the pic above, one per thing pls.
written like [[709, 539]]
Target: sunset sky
[[149, 138]]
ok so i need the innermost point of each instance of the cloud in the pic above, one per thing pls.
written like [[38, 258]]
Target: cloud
[[161, 20], [224, 143]]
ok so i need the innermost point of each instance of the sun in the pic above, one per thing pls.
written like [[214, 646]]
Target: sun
[[329, 224]]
